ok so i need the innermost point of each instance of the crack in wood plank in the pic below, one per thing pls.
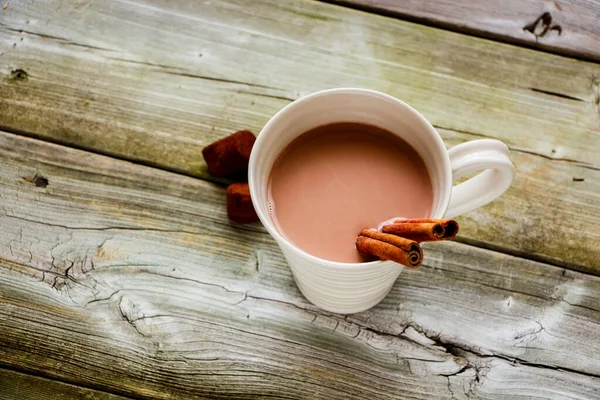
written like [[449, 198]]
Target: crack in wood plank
[[62, 40], [526, 151], [556, 94], [215, 79], [450, 346]]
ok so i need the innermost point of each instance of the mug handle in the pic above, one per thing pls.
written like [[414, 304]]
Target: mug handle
[[484, 154]]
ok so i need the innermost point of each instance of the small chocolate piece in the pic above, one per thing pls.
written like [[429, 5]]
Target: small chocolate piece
[[239, 204], [230, 154]]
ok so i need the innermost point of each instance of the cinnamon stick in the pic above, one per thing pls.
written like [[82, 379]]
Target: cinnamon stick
[[389, 247], [423, 229]]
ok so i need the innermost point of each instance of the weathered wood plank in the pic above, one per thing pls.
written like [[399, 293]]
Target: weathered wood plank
[[567, 27], [19, 386], [191, 72], [551, 213], [126, 277]]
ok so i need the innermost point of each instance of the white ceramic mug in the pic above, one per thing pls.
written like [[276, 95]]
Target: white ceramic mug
[[353, 287]]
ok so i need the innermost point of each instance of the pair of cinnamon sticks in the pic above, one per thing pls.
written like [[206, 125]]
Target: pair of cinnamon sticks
[[399, 241]]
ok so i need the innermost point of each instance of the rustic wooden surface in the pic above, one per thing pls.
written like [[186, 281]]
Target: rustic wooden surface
[[128, 278], [124, 279], [16, 385], [569, 27], [191, 72]]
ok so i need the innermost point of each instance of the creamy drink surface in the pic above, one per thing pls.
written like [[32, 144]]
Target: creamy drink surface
[[334, 180]]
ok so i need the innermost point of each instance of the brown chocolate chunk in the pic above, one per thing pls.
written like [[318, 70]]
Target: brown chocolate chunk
[[239, 204], [229, 155]]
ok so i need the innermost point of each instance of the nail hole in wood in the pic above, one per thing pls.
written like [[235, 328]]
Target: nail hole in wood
[[543, 25], [37, 180], [19, 74]]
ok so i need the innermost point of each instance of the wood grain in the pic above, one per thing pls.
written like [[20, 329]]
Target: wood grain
[[551, 213], [128, 278], [16, 385], [191, 72], [568, 27], [165, 92]]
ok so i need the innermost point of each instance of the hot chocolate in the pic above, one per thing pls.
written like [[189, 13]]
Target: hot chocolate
[[333, 181]]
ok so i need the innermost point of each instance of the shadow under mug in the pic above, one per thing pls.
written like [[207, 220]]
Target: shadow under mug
[[354, 287]]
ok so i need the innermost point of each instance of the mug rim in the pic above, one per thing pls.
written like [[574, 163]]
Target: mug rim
[[266, 219]]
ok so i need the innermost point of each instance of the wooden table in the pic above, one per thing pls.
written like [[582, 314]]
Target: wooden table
[[121, 277]]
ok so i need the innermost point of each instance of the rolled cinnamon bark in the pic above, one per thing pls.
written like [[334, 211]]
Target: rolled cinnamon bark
[[423, 229], [390, 247]]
